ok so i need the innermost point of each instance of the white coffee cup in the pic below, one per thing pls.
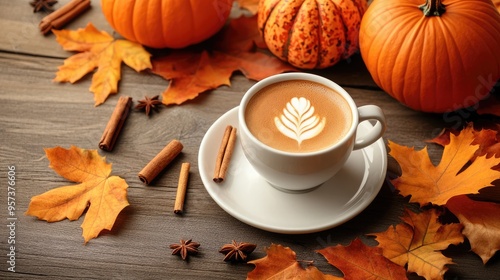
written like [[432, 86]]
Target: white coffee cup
[[299, 172]]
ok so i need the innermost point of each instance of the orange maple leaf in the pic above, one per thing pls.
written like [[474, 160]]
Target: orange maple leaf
[[481, 222], [454, 175], [281, 263], [193, 72], [190, 74], [99, 50], [107, 195], [251, 5], [358, 261], [240, 35], [417, 242]]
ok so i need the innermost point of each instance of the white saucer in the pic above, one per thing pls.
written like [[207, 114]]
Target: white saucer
[[249, 198]]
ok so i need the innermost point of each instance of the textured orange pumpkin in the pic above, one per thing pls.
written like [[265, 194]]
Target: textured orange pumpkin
[[311, 33], [166, 23], [441, 57]]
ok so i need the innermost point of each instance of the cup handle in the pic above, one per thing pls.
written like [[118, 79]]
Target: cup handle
[[370, 112]]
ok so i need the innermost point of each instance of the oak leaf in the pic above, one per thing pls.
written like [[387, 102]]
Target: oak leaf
[[417, 242], [454, 175], [281, 263], [358, 261], [481, 221], [105, 196], [192, 72], [98, 49]]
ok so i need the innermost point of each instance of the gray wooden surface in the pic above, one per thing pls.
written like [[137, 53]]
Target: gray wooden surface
[[36, 113]]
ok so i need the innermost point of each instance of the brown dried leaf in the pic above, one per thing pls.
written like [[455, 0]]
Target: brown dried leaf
[[481, 222]]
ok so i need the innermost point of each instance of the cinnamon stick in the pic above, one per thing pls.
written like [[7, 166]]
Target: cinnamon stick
[[115, 123], [63, 15], [225, 153], [181, 188], [160, 161]]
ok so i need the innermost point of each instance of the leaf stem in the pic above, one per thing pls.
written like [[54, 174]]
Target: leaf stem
[[433, 8]]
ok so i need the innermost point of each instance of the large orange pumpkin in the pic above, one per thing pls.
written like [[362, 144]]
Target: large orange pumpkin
[[311, 33], [436, 57], [166, 23]]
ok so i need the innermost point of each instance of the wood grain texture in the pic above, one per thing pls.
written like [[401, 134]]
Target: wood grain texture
[[36, 113]]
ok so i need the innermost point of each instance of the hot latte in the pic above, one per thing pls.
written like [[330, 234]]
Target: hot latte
[[298, 116]]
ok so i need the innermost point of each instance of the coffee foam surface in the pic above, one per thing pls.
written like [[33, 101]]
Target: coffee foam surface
[[298, 116]]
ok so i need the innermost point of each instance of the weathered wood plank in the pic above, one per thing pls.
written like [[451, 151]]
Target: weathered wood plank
[[37, 113]]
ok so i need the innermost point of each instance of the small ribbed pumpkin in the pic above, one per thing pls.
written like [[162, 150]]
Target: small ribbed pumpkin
[[166, 23], [437, 56], [311, 33]]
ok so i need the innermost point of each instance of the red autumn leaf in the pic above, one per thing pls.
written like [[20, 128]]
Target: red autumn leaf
[[196, 73], [443, 138], [281, 263], [491, 105], [102, 195], [240, 35], [454, 175], [193, 72], [417, 242], [481, 221], [487, 139], [358, 261]]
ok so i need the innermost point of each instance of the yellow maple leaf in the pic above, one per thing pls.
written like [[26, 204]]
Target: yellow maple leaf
[[417, 242], [454, 175], [107, 195], [99, 50]]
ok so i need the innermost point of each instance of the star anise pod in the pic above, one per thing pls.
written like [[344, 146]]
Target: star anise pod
[[45, 5], [147, 104], [237, 251], [185, 248]]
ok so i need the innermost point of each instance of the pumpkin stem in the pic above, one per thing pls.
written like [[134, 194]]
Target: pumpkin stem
[[432, 8]]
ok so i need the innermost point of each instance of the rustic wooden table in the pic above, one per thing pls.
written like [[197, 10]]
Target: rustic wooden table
[[36, 113]]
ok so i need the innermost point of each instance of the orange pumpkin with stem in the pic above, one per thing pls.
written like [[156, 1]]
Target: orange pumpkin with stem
[[166, 23], [437, 56], [311, 33]]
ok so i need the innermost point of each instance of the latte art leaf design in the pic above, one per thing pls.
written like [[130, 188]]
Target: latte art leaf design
[[298, 120]]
